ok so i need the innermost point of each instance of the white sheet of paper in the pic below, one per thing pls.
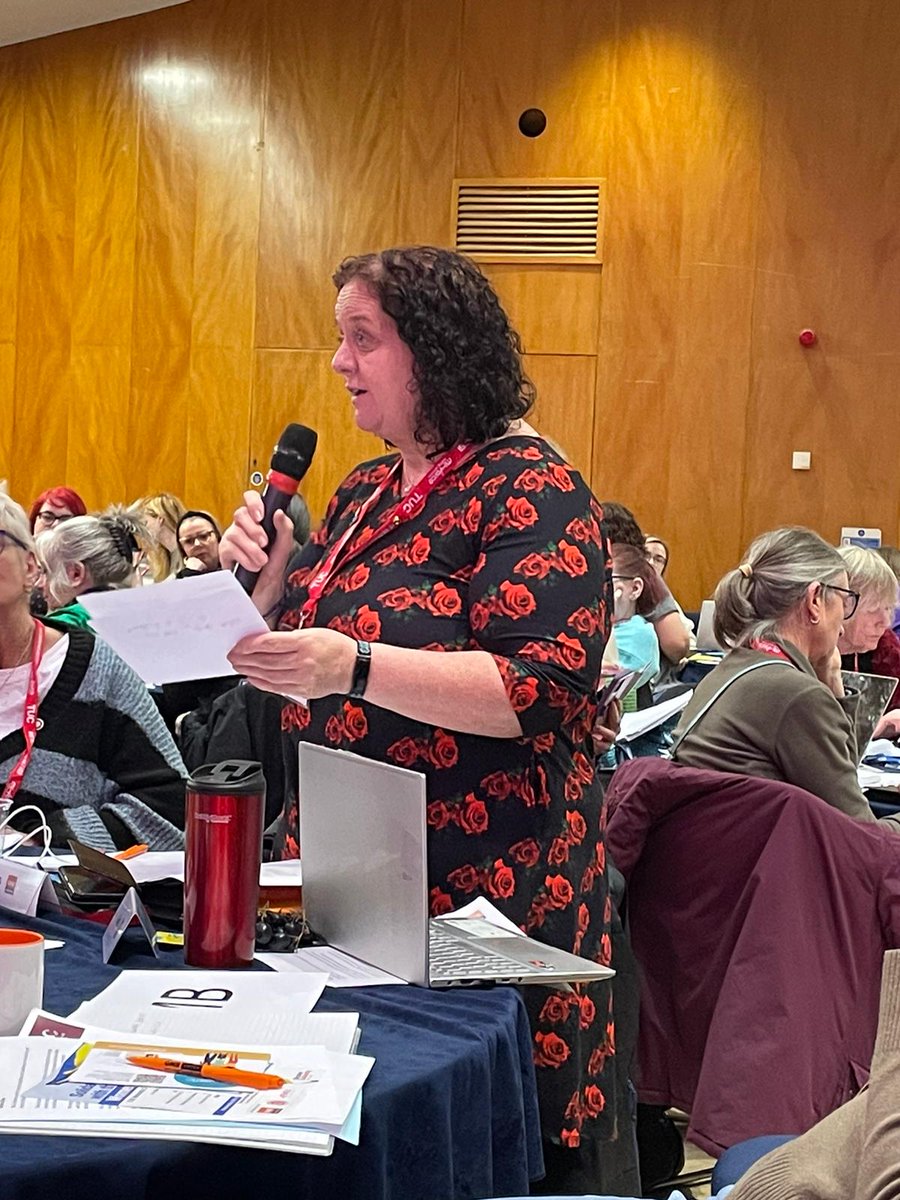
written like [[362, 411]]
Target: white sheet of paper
[[281, 874], [636, 723], [482, 908], [241, 1005], [342, 969], [181, 629]]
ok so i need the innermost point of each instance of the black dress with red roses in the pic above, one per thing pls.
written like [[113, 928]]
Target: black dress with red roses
[[506, 556]]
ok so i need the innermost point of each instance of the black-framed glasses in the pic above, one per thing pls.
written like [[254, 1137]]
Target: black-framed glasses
[[6, 538], [849, 597], [624, 578], [46, 517]]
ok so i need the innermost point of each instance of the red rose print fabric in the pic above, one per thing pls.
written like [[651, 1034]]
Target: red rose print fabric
[[506, 556]]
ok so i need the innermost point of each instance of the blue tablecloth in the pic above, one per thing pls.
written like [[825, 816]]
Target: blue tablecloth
[[449, 1111]]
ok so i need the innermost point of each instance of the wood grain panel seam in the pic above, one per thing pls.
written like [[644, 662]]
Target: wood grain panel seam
[[458, 122], [138, 151], [261, 175]]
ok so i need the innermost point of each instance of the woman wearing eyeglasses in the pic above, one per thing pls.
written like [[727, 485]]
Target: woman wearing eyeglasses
[[775, 706], [198, 540], [80, 738], [52, 506]]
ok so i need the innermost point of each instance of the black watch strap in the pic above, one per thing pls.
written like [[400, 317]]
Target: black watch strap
[[361, 670]]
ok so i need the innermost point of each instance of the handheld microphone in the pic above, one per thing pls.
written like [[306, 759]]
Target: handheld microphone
[[290, 462]]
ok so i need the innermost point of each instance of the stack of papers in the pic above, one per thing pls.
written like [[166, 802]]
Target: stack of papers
[[195, 1056]]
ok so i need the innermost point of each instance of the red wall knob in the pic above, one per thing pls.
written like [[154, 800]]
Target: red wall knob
[[808, 337]]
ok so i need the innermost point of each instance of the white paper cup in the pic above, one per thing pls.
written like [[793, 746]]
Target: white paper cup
[[21, 977]]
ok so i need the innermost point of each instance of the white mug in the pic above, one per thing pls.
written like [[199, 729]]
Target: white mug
[[21, 977]]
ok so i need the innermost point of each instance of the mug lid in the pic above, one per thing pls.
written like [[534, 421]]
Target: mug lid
[[235, 775]]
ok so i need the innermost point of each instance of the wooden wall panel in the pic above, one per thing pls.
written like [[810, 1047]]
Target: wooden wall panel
[[11, 119], [197, 224], [44, 395], [11, 123], [332, 179], [564, 409], [829, 258], [428, 134], [556, 310], [218, 427], [100, 454], [674, 351], [536, 53]]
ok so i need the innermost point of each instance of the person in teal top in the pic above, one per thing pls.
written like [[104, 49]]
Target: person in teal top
[[635, 592], [89, 554]]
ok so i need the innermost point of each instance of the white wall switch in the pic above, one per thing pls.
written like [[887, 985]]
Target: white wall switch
[[800, 460]]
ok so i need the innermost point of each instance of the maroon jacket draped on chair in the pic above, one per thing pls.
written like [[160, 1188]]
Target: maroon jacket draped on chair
[[759, 916]]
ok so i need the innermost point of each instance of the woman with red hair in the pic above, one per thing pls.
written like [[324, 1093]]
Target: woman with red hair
[[55, 505]]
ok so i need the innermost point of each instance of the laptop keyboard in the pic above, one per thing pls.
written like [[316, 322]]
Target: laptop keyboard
[[450, 957]]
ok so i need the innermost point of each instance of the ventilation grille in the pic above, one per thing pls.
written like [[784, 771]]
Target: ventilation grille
[[543, 220]]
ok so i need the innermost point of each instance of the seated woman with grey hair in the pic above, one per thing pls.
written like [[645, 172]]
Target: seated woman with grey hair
[[90, 554], [867, 642], [775, 705], [80, 737]]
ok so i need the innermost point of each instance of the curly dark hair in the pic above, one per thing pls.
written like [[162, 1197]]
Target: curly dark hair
[[467, 356]]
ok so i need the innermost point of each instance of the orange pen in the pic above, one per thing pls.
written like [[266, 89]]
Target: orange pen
[[131, 852], [233, 1075]]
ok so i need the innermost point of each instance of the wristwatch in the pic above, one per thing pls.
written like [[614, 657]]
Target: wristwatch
[[361, 670]]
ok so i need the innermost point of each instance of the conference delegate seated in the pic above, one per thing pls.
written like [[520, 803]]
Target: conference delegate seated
[[198, 540], [775, 706], [80, 737], [89, 554], [162, 513], [867, 642], [672, 628]]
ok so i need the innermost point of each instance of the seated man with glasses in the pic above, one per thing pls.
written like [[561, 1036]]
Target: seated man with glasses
[[198, 539], [775, 706]]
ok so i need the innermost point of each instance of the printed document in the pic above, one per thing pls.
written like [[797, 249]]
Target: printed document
[[181, 629]]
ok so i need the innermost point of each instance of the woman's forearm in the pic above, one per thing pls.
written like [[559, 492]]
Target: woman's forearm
[[457, 690]]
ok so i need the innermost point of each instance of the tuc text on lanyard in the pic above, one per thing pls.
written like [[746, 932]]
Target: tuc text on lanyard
[[400, 512], [29, 722]]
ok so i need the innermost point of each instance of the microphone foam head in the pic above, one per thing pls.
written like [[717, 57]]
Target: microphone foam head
[[294, 451]]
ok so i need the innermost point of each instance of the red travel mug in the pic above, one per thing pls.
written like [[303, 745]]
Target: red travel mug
[[224, 807]]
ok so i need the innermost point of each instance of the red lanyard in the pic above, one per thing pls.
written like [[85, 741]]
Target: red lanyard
[[771, 648], [398, 513], [29, 721]]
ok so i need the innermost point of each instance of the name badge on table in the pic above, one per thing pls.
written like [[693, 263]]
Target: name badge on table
[[130, 908], [22, 887]]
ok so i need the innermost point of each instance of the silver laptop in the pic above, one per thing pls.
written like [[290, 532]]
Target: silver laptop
[[706, 638], [365, 883], [875, 692]]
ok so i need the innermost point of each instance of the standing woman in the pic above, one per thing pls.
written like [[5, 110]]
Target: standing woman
[[80, 738], [448, 617]]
